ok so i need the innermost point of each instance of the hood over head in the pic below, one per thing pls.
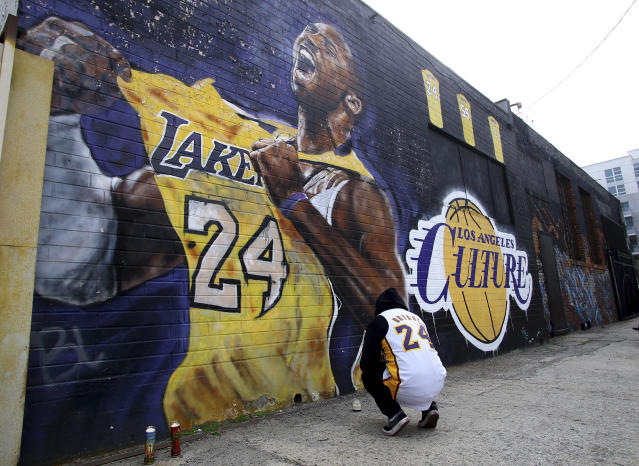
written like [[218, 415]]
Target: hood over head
[[389, 299]]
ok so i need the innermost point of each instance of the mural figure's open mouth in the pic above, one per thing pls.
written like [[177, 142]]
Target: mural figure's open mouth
[[304, 66]]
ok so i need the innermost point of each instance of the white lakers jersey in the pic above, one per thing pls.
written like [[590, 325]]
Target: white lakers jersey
[[414, 373]]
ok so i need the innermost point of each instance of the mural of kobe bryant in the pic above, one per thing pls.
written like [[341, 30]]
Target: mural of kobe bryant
[[326, 85], [310, 240]]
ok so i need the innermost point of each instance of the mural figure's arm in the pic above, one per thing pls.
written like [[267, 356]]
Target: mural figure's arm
[[358, 249], [138, 203], [85, 81]]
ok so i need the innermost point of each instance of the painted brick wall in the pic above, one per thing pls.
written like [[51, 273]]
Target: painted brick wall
[[587, 291], [181, 276]]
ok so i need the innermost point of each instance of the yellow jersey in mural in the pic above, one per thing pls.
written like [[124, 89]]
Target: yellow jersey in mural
[[261, 303]]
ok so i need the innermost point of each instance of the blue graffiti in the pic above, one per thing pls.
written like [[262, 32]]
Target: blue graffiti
[[585, 290]]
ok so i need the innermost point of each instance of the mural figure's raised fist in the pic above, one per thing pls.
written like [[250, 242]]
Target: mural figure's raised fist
[[86, 66], [278, 164]]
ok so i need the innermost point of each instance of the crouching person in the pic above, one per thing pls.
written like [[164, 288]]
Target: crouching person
[[409, 373]]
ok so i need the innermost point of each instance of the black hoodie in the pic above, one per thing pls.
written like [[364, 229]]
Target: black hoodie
[[389, 299], [376, 330]]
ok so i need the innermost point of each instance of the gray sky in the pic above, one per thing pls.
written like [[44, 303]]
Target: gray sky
[[520, 50]]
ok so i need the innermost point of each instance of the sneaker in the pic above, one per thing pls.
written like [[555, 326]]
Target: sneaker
[[429, 417], [395, 423]]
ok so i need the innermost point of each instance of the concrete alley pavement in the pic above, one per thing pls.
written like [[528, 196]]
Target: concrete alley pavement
[[573, 400]]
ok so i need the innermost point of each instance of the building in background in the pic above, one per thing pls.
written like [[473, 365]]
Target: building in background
[[620, 176]]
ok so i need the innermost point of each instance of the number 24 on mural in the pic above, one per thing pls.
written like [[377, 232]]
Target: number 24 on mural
[[261, 258], [431, 89]]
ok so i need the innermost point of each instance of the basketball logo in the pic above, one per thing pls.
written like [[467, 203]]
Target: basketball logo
[[480, 309], [461, 262]]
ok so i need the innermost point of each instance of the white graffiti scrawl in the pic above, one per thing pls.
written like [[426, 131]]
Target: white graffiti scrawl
[[460, 262]]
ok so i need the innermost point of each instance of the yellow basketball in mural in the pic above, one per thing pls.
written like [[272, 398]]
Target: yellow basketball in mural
[[474, 263]]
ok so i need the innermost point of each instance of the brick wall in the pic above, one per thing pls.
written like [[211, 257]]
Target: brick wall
[[587, 291], [181, 276]]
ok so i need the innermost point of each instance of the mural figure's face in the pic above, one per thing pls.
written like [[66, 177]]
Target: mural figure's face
[[322, 66]]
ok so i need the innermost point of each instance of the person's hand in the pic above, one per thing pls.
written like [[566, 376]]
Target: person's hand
[[277, 162], [86, 66]]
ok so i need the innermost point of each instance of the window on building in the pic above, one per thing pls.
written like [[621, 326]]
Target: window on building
[[632, 239], [569, 211], [592, 227], [613, 174], [629, 222], [625, 206], [619, 189], [636, 167]]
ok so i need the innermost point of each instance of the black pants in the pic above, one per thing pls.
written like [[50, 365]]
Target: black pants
[[381, 394]]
